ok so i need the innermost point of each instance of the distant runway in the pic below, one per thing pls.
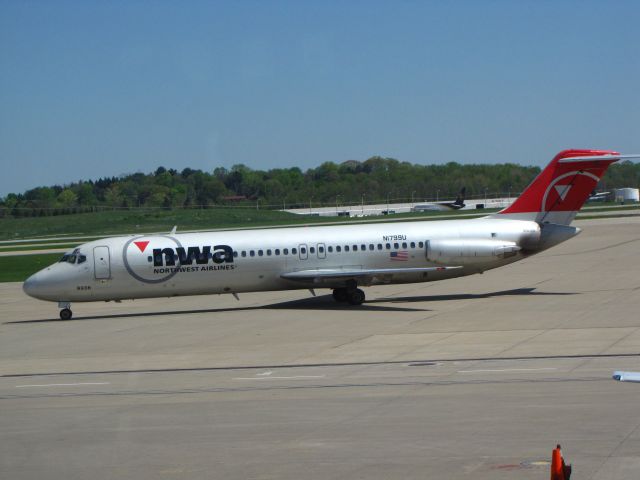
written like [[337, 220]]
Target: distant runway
[[477, 377]]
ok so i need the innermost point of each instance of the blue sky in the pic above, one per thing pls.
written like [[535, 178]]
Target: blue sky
[[91, 89]]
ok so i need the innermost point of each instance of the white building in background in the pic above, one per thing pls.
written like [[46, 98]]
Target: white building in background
[[627, 195]]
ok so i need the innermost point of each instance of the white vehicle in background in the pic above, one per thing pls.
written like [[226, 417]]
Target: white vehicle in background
[[341, 258]]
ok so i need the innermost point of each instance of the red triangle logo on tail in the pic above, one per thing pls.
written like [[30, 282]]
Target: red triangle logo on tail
[[142, 245]]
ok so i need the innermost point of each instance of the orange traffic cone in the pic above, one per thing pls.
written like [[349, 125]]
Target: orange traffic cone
[[559, 471]]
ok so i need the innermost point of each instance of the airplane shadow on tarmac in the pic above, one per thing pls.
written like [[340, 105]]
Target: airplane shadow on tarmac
[[468, 296], [322, 302]]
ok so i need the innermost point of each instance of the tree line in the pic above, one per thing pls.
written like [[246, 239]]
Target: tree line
[[376, 180]]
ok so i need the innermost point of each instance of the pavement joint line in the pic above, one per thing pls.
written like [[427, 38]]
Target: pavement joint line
[[309, 365], [316, 386]]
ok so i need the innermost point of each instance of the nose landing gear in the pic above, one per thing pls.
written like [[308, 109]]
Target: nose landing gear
[[65, 313]]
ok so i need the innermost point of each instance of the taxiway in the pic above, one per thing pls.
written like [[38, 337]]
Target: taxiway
[[477, 377]]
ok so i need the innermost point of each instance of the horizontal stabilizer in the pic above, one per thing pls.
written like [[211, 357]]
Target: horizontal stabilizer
[[598, 157]]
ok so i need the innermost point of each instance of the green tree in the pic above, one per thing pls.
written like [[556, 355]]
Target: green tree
[[67, 198]]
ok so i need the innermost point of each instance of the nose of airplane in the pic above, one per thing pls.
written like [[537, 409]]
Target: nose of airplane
[[30, 286], [43, 285]]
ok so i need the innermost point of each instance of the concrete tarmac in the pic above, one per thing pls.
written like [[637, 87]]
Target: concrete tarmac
[[477, 377]]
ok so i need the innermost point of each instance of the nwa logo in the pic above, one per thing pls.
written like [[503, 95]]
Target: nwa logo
[[568, 192], [164, 257], [168, 256]]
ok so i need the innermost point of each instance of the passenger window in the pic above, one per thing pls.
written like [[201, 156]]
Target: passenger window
[[330, 249], [338, 248], [363, 247], [371, 247], [294, 251], [413, 244], [346, 248], [243, 253], [312, 249], [396, 246], [355, 248], [260, 253], [252, 253], [235, 254], [321, 249], [387, 246], [379, 246], [285, 251], [303, 251], [269, 252], [277, 251], [404, 244], [420, 244]]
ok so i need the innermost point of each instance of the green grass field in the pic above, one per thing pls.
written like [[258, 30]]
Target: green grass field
[[127, 222], [18, 268], [114, 222]]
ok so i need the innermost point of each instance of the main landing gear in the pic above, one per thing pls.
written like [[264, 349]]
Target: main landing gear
[[65, 313], [350, 294]]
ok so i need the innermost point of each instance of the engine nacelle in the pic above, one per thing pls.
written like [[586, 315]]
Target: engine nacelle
[[465, 251]]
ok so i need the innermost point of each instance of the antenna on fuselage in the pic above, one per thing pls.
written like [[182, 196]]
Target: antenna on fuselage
[[173, 230]]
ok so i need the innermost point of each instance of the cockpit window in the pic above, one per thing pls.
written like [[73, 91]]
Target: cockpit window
[[73, 258]]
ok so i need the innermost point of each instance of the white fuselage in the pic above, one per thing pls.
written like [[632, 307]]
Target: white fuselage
[[146, 266]]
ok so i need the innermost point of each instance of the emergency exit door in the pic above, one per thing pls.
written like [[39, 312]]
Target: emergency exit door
[[101, 263]]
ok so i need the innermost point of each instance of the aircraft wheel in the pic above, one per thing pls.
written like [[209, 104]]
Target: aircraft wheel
[[340, 294], [356, 297], [65, 314]]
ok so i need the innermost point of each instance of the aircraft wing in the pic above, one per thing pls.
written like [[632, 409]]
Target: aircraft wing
[[323, 274]]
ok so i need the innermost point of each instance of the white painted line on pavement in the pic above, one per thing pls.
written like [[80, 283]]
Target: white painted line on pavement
[[62, 384], [279, 378], [508, 370]]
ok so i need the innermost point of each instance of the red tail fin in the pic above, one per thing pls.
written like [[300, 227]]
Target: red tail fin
[[556, 195]]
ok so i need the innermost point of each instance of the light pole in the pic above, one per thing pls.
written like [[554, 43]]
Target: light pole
[[337, 196]]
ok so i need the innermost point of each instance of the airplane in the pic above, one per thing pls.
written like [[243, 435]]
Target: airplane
[[621, 376], [341, 257], [598, 196], [442, 206]]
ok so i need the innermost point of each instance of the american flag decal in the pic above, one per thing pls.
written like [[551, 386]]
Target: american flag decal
[[399, 256]]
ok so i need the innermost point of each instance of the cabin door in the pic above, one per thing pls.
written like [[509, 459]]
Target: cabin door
[[102, 263]]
